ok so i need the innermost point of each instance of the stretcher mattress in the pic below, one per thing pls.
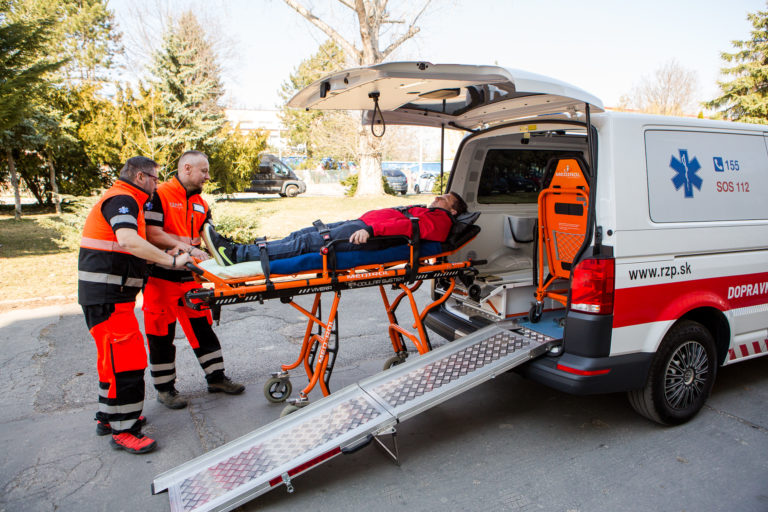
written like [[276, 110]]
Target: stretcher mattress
[[314, 261]]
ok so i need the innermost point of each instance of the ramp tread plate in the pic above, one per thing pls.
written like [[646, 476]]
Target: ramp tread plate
[[243, 469], [273, 454]]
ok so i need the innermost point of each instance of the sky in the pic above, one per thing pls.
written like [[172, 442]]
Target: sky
[[605, 47]]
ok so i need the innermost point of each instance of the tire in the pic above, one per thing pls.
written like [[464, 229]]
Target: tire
[[534, 315], [288, 409], [291, 191], [277, 390], [403, 192], [681, 376], [393, 361]]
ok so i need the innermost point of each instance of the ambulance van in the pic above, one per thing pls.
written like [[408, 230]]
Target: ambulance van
[[640, 241]]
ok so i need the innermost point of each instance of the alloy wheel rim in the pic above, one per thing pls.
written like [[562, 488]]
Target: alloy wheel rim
[[686, 375]]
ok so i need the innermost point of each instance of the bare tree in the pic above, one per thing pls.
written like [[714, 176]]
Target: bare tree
[[375, 24], [669, 92]]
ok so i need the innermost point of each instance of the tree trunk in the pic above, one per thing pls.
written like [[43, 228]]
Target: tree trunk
[[33, 187], [369, 177], [54, 186], [15, 184]]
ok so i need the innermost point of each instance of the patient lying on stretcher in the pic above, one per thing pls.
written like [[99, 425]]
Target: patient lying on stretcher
[[434, 224]]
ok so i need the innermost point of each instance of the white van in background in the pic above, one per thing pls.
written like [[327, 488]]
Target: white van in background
[[664, 276]]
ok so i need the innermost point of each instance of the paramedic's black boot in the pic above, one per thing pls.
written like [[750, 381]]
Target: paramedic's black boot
[[171, 399], [222, 249], [225, 385]]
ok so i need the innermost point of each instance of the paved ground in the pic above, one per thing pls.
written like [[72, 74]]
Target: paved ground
[[508, 445]]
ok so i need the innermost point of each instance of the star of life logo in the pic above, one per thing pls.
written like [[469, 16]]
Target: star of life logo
[[123, 209], [686, 170]]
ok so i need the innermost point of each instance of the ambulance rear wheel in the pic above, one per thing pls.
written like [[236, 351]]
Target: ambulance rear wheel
[[681, 376], [277, 390]]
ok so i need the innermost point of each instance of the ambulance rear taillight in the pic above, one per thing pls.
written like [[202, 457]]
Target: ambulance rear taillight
[[592, 286]]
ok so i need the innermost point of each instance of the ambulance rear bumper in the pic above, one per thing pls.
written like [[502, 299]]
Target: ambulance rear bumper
[[570, 373]]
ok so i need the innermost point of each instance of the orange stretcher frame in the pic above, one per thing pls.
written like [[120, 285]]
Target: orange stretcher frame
[[315, 354]]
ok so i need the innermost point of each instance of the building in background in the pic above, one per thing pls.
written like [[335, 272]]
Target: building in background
[[254, 119]]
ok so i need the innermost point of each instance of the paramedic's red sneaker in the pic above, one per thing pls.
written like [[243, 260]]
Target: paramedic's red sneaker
[[222, 248], [225, 385], [132, 442], [103, 428]]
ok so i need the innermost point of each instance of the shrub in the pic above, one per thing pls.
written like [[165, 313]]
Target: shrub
[[350, 184]]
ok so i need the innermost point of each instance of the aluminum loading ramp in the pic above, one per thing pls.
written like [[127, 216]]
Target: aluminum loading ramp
[[237, 472]]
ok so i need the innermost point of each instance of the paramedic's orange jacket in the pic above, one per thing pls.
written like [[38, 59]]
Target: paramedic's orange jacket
[[181, 216], [107, 273]]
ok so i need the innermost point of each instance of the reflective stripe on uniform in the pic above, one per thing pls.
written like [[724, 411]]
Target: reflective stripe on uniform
[[101, 245], [104, 392], [153, 216], [119, 425], [161, 367], [164, 379], [208, 357], [123, 219], [98, 277], [212, 368], [121, 409]]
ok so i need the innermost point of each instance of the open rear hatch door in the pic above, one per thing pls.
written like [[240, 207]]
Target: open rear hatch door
[[454, 95]]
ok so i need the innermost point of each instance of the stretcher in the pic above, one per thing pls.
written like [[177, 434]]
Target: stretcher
[[400, 262]]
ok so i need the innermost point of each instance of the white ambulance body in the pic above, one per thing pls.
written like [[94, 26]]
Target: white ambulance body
[[671, 280]]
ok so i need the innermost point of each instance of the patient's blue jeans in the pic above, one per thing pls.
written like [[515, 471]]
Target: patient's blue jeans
[[303, 241]]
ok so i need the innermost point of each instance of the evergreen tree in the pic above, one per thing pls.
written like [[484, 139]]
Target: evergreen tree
[[745, 98], [89, 38], [25, 63], [233, 160], [188, 79], [306, 129]]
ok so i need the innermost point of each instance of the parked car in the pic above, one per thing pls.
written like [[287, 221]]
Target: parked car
[[426, 181], [396, 180], [275, 177]]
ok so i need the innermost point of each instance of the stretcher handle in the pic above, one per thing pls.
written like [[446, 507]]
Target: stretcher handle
[[194, 268]]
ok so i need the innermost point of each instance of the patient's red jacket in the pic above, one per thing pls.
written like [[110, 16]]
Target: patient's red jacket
[[434, 223]]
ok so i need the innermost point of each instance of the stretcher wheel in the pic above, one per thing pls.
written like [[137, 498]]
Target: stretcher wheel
[[393, 361], [534, 315], [289, 409], [277, 390]]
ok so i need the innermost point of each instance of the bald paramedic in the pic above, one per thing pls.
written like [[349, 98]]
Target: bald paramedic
[[112, 268], [175, 216]]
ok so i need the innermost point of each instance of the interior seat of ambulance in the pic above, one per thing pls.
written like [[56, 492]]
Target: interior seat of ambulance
[[503, 173]]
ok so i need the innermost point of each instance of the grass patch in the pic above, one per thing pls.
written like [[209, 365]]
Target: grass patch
[[38, 254]]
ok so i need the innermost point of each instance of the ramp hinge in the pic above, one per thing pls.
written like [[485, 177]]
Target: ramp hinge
[[287, 481]]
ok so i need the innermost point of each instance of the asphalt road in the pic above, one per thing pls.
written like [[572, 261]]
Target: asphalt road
[[507, 445]]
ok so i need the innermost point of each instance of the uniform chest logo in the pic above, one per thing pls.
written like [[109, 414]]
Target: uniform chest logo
[[175, 205]]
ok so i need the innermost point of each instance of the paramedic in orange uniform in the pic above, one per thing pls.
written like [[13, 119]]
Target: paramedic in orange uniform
[[175, 216], [111, 270]]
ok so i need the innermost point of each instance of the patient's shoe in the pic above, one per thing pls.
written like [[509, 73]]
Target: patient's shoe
[[222, 248]]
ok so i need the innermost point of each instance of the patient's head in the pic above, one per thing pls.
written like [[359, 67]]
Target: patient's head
[[451, 202]]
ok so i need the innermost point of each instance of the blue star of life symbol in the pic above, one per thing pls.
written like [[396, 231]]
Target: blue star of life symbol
[[686, 172], [123, 209], [148, 205]]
